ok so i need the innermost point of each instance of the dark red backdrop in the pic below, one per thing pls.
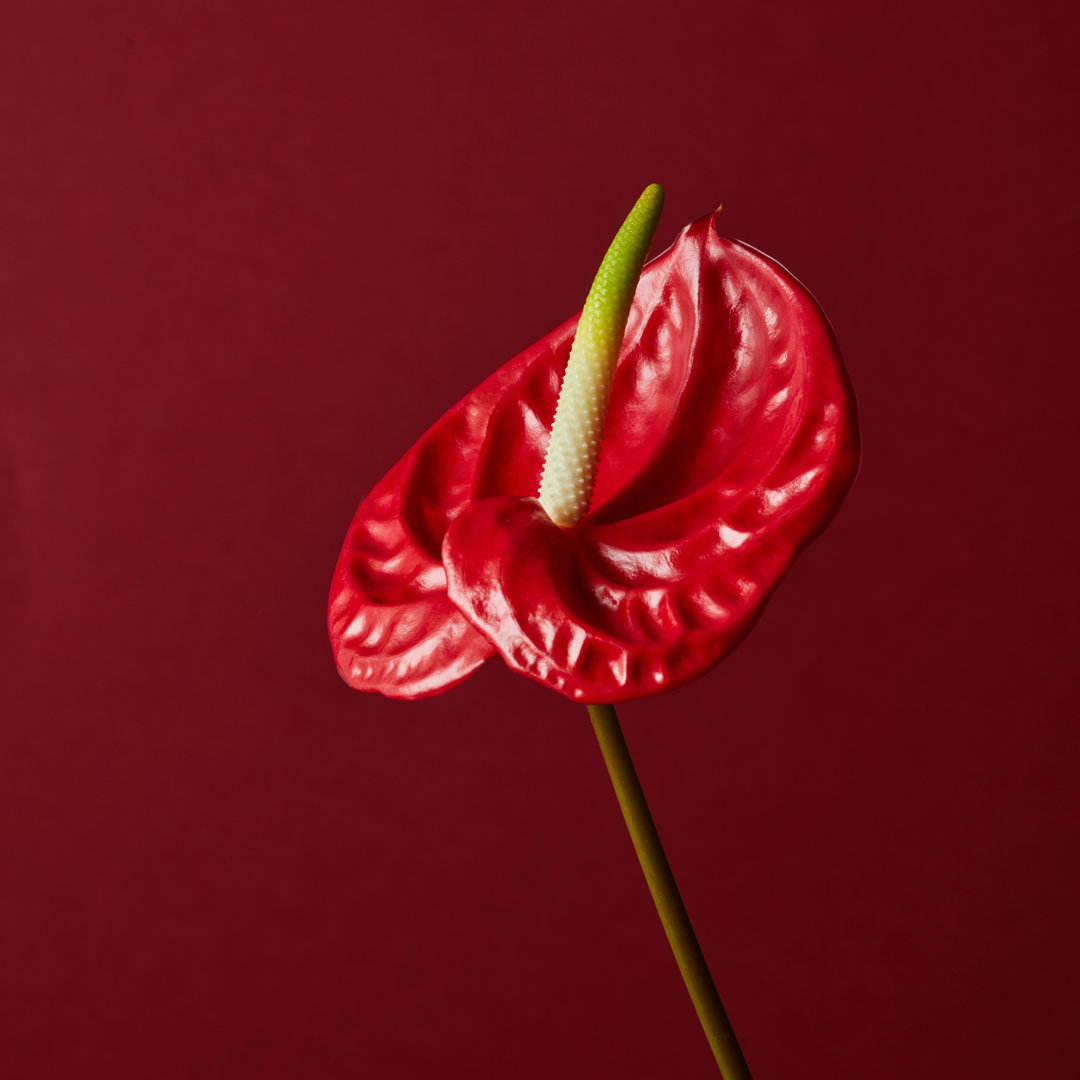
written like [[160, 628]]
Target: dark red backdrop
[[247, 253]]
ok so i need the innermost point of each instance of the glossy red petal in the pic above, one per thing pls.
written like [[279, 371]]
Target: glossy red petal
[[730, 442], [733, 442], [392, 627]]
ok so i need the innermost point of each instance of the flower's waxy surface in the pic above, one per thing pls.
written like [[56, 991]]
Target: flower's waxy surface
[[730, 441]]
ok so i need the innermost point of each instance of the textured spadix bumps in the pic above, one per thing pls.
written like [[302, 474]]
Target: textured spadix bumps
[[570, 467], [730, 441]]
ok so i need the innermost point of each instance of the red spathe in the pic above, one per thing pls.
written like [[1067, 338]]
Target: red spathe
[[730, 442]]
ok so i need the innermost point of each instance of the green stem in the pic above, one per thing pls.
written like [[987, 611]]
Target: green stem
[[665, 894]]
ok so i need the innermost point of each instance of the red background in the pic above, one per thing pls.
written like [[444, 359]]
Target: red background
[[248, 252]]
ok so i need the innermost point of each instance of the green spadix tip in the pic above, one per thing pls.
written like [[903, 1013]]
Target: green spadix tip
[[570, 467]]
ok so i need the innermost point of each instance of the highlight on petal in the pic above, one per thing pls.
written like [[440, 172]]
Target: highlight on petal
[[392, 626], [730, 442]]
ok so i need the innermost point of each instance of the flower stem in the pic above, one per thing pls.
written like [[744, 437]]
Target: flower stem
[[665, 894]]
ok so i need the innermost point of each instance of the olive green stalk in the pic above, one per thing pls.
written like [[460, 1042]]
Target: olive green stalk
[[665, 894]]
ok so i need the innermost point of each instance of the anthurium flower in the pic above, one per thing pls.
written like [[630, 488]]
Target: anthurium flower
[[729, 442]]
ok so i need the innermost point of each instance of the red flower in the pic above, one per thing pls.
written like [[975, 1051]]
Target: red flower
[[730, 442]]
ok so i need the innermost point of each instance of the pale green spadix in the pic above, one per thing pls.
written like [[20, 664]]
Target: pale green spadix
[[566, 484]]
